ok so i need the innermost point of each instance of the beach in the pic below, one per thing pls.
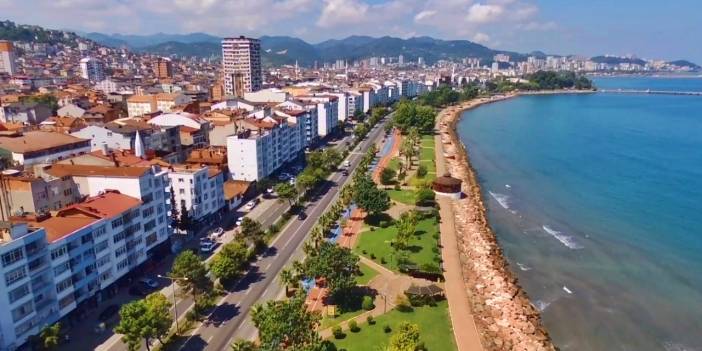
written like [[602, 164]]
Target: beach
[[505, 317]]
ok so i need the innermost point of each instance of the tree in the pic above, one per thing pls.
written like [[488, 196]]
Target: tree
[[359, 116], [406, 227], [288, 279], [286, 325], [360, 131], [244, 345], [188, 265], [175, 216], [406, 338], [407, 150], [251, 231], [144, 320], [424, 197], [50, 336], [228, 263], [185, 222], [286, 191], [368, 197], [336, 264], [387, 176]]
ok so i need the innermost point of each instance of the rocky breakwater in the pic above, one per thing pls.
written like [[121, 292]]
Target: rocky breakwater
[[506, 318]]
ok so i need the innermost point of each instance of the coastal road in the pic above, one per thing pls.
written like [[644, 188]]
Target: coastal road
[[229, 320]]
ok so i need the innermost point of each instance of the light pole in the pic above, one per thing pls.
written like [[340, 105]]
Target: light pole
[[175, 303]]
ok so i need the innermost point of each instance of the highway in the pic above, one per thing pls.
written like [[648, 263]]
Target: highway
[[229, 320]]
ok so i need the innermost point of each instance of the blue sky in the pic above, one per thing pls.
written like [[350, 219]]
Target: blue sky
[[668, 30]]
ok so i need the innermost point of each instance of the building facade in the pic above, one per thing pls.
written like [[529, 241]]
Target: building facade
[[241, 65], [7, 58], [92, 69]]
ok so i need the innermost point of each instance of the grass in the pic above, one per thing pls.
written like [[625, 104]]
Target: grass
[[434, 329], [377, 243], [367, 274], [394, 164], [403, 196], [328, 322]]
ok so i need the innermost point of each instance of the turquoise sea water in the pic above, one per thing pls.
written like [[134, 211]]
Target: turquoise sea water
[[597, 202]]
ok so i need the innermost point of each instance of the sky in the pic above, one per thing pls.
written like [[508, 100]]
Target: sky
[[648, 29]]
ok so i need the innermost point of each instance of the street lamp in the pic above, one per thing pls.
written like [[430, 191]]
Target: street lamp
[[175, 303]]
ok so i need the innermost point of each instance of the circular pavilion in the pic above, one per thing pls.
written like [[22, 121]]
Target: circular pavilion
[[447, 186]]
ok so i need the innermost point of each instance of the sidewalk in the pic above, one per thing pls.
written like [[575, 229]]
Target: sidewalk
[[464, 329], [385, 159]]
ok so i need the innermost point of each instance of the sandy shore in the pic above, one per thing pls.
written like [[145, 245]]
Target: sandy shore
[[505, 317]]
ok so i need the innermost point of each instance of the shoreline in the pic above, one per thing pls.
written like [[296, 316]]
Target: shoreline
[[505, 316]]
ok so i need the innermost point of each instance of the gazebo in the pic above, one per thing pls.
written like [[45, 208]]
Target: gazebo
[[447, 186]]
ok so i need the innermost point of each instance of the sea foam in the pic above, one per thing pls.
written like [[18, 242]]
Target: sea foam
[[523, 267], [502, 199], [566, 240], [541, 305]]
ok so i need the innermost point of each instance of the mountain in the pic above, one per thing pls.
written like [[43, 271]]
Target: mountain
[[283, 50], [615, 60], [169, 48], [142, 41], [22, 32], [685, 63]]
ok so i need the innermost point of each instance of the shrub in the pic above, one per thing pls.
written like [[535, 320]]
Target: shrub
[[382, 260], [387, 329], [370, 320], [353, 326], [338, 334], [422, 171], [420, 346], [372, 256], [384, 224], [364, 251], [397, 187], [403, 303], [367, 303]]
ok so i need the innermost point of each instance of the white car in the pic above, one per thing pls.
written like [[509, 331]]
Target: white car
[[250, 205], [292, 181], [206, 246], [218, 232], [347, 163], [239, 220]]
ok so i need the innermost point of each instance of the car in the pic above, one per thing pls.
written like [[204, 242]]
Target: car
[[239, 220], [250, 205], [292, 181], [206, 246], [138, 290], [108, 313], [301, 216], [347, 163], [218, 232], [344, 172], [149, 282]]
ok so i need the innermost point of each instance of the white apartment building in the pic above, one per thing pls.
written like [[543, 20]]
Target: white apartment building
[[355, 102], [92, 69], [7, 58], [199, 189], [35, 147], [52, 264], [327, 107], [267, 95], [262, 146], [300, 112], [139, 105], [342, 104], [241, 65], [116, 136]]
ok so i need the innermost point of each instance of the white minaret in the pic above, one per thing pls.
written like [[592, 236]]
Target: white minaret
[[138, 146]]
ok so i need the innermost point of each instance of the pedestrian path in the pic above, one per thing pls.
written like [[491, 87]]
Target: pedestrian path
[[390, 150]]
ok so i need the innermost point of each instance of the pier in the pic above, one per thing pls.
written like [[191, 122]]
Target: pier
[[648, 91]]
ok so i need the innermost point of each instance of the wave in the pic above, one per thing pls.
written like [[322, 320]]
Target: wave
[[673, 346], [502, 199], [541, 305], [566, 240], [565, 288], [523, 267]]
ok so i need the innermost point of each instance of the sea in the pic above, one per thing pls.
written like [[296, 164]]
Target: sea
[[596, 200]]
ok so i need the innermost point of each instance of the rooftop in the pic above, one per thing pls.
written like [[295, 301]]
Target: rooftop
[[63, 170], [36, 140]]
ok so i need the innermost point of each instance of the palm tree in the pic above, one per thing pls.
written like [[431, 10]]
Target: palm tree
[[244, 345], [317, 236], [50, 336], [407, 149], [287, 278]]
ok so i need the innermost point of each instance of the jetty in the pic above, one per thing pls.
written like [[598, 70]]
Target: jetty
[[648, 91]]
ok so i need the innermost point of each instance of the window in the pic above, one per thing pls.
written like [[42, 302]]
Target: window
[[101, 246], [56, 253], [18, 293], [63, 285], [121, 251], [116, 223], [181, 191], [147, 212], [150, 225], [58, 270], [119, 236], [15, 275], [23, 311], [122, 264], [99, 231], [86, 238], [12, 257], [103, 261], [180, 180]]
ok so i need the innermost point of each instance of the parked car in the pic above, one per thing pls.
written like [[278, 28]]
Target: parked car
[[109, 312], [250, 205], [301, 216], [239, 220], [206, 246], [347, 163], [138, 290], [292, 181], [218, 232], [149, 282], [344, 172]]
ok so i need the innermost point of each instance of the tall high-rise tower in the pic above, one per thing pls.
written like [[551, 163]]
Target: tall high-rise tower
[[7, 58], [92, 69], [163, 68], [241, 65]]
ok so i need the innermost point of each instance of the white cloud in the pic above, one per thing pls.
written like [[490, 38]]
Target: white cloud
[[424, 14], [539, 26], [481, 38], [342, 12], [479, 13]]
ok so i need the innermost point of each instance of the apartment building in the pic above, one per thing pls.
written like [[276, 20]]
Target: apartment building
[[163, 68], [51, 264], [327, 107], [122, 135], [139, 105], [31, 113], [262, 146], [198, 189], [241, 65], [29, 148], [300, 112], [26, 193], [92, 69], [194, 130], [7, 58]]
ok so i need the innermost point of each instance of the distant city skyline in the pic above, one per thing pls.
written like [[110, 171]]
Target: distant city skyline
[[643, 28]]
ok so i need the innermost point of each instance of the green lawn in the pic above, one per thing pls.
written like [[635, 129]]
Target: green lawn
[[328, 322], [394, 164], [377, 243], [367, 274], [434, 328], [428, 140], [403, 196]]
